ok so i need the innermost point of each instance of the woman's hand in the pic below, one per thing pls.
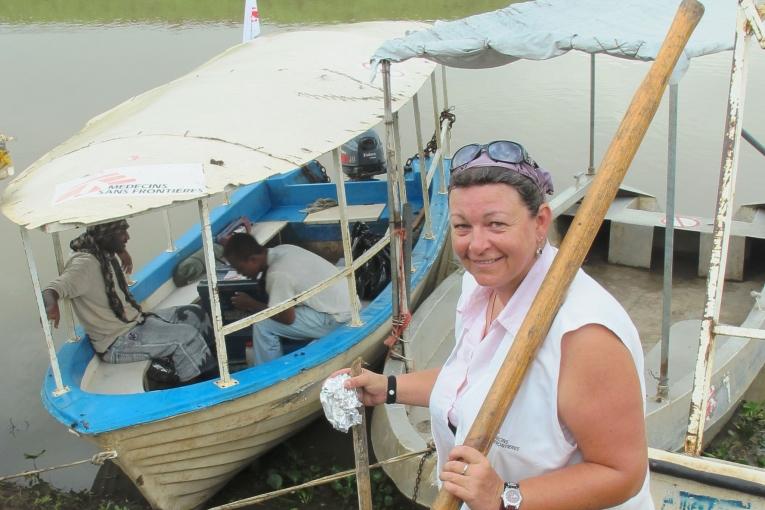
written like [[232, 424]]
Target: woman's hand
[[371, 386], [468, 476]]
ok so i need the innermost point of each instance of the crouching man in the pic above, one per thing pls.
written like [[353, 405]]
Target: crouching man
[[291, 270], [119, 330]]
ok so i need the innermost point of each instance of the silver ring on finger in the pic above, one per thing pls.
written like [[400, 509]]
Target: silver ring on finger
[[464, 470]]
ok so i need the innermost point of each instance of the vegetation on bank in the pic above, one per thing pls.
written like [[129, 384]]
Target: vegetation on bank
[[317, 451], [272, 11], [39, 495], [303, 459], [743, 439]]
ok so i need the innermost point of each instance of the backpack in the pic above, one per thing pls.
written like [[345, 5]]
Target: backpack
[[374, 275]]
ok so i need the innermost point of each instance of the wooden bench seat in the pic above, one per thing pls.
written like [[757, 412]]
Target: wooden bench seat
[[367, 212]]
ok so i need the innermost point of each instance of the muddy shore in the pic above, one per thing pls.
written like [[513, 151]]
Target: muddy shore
[[318, 451]]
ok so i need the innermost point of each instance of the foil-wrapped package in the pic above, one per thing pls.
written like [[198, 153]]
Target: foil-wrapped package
[[341, 405]]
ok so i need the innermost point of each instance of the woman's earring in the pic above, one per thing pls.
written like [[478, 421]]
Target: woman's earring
[[539, 249]]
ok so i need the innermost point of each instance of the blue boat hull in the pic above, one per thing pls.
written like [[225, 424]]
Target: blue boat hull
[[181, 445]]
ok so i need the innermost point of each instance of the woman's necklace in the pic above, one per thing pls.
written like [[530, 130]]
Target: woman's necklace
[[489, 313]]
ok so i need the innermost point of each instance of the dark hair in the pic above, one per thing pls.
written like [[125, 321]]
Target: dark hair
[[480, 175], [241, 246], [92, 241]]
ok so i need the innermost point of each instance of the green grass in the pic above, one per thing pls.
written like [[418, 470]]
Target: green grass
[[38, 495], [272, 11], [743, 439]]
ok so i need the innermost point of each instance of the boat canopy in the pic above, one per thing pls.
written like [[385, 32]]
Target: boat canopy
[[543, 29], [261, 108]]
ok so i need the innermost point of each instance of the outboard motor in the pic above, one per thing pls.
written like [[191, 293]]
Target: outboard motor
[[363, 157]]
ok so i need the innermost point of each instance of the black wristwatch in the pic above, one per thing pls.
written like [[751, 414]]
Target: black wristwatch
[[390, 394], [511, 497]]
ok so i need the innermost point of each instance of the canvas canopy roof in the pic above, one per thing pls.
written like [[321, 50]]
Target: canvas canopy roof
[[258, 109], [543, 29]]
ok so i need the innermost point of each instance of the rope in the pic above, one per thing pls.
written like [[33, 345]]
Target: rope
[[96, 459], [313, 483], [399, 324], [319, 205], [432, 146]]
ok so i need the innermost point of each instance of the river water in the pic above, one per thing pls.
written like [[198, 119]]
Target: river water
[[58, 72]]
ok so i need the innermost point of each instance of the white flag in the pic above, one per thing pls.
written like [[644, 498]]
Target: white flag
[[251, 20]]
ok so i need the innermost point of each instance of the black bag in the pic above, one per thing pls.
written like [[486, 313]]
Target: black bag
[[374, 275]]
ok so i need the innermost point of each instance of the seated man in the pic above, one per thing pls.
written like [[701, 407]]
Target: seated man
[[291, 270], [117, 327]]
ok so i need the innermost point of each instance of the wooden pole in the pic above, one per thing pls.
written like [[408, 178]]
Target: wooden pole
[[580, 235], [360, 452]]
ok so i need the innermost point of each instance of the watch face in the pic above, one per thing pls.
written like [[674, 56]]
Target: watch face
[[511, 497]]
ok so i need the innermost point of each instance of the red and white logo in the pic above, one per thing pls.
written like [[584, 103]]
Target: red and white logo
[[683, 221], [132, 181], [93, 186]]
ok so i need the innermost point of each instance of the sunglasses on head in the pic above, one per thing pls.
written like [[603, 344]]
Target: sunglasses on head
[[504, 153], [501, 151]]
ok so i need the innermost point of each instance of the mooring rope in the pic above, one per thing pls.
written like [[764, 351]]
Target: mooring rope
[[313, 483], [96, 459]]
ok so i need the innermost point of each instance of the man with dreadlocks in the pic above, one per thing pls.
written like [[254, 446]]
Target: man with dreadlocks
[[117, 327]]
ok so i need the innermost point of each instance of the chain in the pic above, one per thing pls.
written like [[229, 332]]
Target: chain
[[432, 146], [426, 455]]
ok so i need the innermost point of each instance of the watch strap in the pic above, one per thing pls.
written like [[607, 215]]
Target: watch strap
[[390, 394]]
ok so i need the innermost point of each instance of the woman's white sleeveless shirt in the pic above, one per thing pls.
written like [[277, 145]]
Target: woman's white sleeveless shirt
[[531, 440]]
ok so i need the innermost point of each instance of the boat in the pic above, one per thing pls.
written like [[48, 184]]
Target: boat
[[246, 129], [621, 258], [679, 482]]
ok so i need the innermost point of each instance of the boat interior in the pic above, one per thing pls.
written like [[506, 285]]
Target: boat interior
[[278, 211]]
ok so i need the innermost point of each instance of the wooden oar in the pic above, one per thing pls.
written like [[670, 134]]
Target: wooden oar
[[580, 235]]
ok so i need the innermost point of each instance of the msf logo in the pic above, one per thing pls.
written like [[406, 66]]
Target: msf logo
[[95, 185]]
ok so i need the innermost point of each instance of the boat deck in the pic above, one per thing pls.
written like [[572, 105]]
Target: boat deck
[[640, 291]]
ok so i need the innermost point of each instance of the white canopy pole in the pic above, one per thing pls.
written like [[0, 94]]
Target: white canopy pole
[[447, 145], [68, 314], [168, 231], [591, 168], [225, 380], [428, 234], [669, 246], [401, 181], [399, 299], [720, 238], [437, 128], [60, 388], [342, 204]]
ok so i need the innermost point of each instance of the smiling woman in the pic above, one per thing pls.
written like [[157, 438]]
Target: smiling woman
[[497, 234], [568, 441]]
